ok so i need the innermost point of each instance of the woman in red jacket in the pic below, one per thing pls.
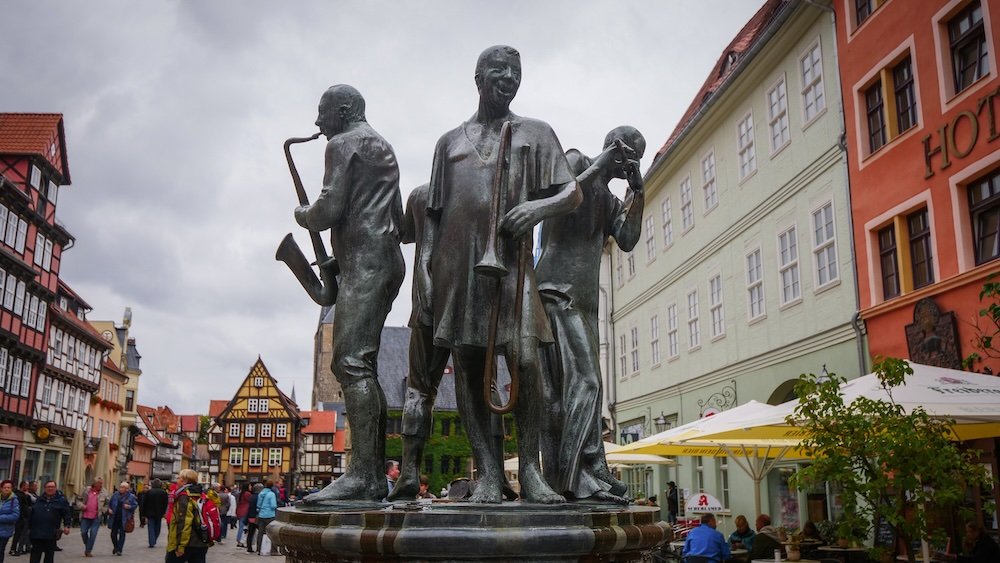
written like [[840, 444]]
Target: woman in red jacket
[[242, 507]]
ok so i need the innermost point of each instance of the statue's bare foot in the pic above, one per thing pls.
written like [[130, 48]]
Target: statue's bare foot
[[349, 487], [605, 496], [406, 488], [487, 492], [535, 489]]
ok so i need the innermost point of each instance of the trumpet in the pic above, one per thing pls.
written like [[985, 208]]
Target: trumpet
[[491, 265], [323, 288]]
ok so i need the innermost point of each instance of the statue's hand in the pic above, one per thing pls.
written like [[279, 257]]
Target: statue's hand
[[520, 219], [425, 294], [300, 216], [634, 176], [612, 157]]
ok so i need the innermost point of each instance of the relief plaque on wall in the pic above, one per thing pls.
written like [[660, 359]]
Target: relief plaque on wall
[[932, 339]]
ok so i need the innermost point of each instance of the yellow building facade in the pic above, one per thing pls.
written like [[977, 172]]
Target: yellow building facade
[[259, 429]]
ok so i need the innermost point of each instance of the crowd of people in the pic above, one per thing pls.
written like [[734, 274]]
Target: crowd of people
[[705, 544], [197, 516]]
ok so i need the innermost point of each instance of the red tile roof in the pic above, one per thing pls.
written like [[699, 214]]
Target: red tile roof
[[215, 407], [320, 422], [724, 67], [140, 439], [189, 423], [110, 366], [35, 134]]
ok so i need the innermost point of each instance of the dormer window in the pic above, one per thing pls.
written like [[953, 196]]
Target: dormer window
[[258, 382]]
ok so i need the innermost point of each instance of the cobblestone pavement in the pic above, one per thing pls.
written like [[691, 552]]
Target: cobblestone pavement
[[137, 550]]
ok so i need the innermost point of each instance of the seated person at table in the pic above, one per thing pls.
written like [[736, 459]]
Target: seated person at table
[[977, 547], [705, 544], [811, 532], [766, 540], [742, 538]]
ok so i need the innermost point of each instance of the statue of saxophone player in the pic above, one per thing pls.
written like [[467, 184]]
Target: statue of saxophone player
[[361, 206], [456, 231], [568, 273]]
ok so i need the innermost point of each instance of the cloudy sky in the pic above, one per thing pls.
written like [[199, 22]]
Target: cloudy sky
[[176, 112]]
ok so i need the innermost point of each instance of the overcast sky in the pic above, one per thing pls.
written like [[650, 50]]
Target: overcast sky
[[175, 115]]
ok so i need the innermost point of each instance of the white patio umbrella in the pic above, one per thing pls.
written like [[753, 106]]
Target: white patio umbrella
[[74, 479], [614, 457]]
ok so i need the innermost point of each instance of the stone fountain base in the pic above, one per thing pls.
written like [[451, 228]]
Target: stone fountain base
[[459, 532]]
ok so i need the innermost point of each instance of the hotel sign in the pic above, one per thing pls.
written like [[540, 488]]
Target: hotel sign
[[957, 138]]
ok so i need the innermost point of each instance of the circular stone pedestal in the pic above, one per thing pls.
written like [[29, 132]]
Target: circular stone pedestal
[[451, 531]]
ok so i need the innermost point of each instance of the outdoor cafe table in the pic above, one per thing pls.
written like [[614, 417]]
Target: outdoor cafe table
[[771, 560], [842, 553]]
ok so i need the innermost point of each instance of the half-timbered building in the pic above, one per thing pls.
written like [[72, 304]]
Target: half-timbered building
[[260, 429]]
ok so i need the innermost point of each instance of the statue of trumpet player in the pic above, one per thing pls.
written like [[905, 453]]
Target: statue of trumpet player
[[361, 206], [521, 158]]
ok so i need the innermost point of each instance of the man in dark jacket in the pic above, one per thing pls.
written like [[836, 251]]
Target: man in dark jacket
[[17, 546], [50, 509], [152, 508]]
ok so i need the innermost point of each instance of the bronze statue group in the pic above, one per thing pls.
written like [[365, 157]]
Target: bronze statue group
[[477, 291]]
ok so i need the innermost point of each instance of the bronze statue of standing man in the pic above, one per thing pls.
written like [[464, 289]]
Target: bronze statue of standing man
[[361, 206], [456, 231], [569, 281]]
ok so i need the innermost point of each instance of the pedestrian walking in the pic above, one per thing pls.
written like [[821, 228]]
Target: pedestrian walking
[[267, 506], [10, 513], [92, 503], [152, 508], [49, 511], [21, 527], [184, 541], [252, 516], [225, 502], [242, 507], [121, 510]]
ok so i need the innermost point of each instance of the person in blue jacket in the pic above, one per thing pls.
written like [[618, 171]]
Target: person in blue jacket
[[267, 505], [121, 509], [10, 512], [49, 511]]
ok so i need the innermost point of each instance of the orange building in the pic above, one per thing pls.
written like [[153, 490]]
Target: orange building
[[920, 87], [920, 91]]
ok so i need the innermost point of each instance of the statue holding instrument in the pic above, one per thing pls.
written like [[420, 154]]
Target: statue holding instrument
[[361, 206]]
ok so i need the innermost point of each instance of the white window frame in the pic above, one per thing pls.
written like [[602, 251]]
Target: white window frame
[[236, 456], [694, 320], [47, 258], [666, 214], [19, 299], [256, 457], [258, 381], [790, 289], [250, 430], [36, 177], [813, 96], [234, 429], [630, 260], [620, 267], [754, 268], [251, 405], [22, 235], [716, 312], [747, 154], [650, 239], [622, 355], [39, 253], [265, 430], [634, 350], [779, 130], [263, 405], [281, 430], [687, 205], [673, 340], [709, 187], [274, 456], [654, 340], [10, 236], [826, 248]]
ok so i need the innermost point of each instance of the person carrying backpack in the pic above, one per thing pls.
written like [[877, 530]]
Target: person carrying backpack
[[184, 541], [211, 517]]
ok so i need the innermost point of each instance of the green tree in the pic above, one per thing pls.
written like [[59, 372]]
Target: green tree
[[987, 325], [889, 464], [204, 423]]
